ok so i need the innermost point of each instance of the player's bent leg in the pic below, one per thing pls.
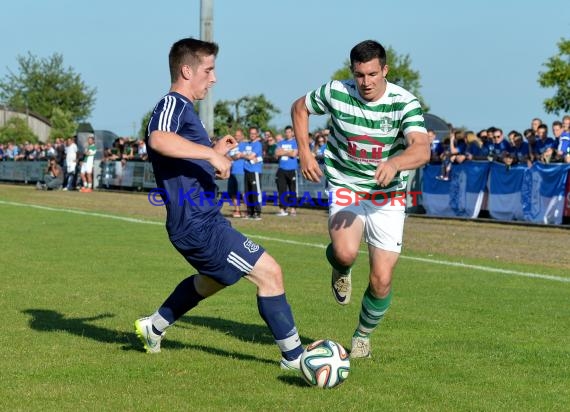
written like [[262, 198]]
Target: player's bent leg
[[206, 286], [275, 310], [341, 281], [267, 276], [151, 330], [345, 229]]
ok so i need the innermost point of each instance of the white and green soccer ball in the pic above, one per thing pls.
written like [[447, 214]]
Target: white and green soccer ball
[[325, 364]]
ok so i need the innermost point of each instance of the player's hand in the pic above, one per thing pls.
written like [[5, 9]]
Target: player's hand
[[222, 165], [310, 168], [385, 172], [225, 144]]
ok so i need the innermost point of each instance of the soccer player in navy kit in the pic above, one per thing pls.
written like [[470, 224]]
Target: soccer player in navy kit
[[185, 166]]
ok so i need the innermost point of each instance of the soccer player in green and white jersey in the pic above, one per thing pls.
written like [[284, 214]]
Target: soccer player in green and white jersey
[[87, 165], [378, 135]]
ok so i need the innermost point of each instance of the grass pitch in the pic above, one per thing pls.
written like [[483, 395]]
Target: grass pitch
[[456, 337]]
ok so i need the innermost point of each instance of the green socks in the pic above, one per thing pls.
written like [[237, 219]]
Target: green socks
[[371, 312]]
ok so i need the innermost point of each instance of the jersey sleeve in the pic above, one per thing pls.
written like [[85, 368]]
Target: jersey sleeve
[[317, 101], [413, 118], [166, 115]]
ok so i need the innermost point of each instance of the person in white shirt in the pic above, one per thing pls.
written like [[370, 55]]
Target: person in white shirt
[[70, 163]]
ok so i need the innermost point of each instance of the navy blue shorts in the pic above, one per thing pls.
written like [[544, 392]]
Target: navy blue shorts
[[217, 250]]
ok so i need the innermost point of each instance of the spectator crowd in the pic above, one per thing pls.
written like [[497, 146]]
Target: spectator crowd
[[535, 144], [69, 169], [66, 167]]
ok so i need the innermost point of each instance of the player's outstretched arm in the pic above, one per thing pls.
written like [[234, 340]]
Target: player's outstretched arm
[[300, 118], [172, 145]]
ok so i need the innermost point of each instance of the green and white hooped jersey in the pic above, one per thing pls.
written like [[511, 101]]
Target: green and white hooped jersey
[[90, 153], [365, 133]]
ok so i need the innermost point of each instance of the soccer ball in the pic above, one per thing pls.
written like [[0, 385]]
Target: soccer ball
[[325, 364]]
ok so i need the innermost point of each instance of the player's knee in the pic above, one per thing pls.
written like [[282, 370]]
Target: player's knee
[[346, 256], [380, 285], [274, 276], [268, 276]]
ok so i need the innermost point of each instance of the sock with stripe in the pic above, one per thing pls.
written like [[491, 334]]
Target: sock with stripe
[[334, 263], [181, 300], [276, 313], [371, 312]]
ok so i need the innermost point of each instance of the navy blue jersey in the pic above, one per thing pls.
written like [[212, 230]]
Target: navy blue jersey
[[498, 149], [187, 186], [542, 145]]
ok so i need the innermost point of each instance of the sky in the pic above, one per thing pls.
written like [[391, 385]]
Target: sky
[[479, 61]]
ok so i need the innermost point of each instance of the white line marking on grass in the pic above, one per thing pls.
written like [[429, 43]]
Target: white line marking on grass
[[488, 269], [434, 261], [83, 213], [294, 242]]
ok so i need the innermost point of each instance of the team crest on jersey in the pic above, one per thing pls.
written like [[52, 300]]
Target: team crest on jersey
[[385, 124], [251, 246]]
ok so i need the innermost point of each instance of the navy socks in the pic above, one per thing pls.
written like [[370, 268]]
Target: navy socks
[[276, 312]]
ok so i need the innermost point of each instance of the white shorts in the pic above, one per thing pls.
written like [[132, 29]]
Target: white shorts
[[87, 167], [383, 221]]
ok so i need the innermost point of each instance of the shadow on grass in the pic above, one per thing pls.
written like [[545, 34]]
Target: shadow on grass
[[233, 355], [45, 320], [245, 332], [293, 380]]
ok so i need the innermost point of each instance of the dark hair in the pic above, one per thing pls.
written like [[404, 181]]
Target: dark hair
[[189, 51], [367, 50], [528, 132]]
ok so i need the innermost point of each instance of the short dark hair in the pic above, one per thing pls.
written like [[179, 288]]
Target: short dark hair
[[189, 51], [367, 50], [528, 132]]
